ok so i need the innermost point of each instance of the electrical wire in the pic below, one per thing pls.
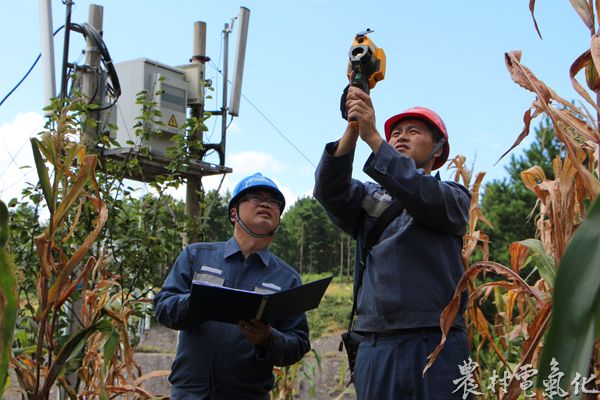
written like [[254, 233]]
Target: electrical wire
[[13, 161], [278, 131], [27, 73], [90, 32], [270, 123]]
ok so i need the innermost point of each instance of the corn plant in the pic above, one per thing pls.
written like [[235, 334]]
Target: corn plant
[[549, 323], [288, 378], [72, 265], [8, 298]]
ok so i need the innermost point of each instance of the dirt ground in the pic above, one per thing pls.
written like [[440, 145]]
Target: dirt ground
[[329, 381]]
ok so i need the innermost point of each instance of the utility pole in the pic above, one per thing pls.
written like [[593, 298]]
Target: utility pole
[[194, 194], [63, 71], [91, 91], [90, 82], [301, 245], [348, 257], [341, 256]]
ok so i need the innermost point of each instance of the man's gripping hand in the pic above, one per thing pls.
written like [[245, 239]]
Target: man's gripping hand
[[360, 109], [256, 332]]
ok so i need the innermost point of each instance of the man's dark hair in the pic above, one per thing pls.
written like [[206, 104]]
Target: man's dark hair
[[436, 134]]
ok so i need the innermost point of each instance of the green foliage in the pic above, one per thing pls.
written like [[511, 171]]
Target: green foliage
[[136, 246], [8, 298], [330, 317], [144, 236], [146, 233], [332, 314], [576, 304], [215, 224], [288, 378], [508, 204], [541, 261], [308, 240]]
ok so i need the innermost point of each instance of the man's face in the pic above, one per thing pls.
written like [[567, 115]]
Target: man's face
[[260, 210], [413, 138]]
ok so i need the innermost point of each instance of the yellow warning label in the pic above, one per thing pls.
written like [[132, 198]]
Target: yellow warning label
[[173, 121]]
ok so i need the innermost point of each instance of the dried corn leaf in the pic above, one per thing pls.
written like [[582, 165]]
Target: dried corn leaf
[[525, 78], [58, 285], [512, 296], [74, 191], [451, 310], [530, 349], [85, 273], [570, 337], [518, 255], [580, 63], [531, 9], [527, 117], [24, 369], [73, 343], [74, 223], [151, 375], [585, 12], [137, 390], [595, 51], [541, 260]]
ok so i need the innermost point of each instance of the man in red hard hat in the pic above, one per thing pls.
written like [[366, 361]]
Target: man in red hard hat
[[216, 360], [407, 275], [433, 123]]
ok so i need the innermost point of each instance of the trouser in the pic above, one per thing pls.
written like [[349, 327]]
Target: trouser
[[390, 367], [204, 394]]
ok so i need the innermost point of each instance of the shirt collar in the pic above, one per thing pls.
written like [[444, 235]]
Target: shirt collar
[[232, 247]]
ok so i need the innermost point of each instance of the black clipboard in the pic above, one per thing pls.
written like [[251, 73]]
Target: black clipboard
[[220, 303]]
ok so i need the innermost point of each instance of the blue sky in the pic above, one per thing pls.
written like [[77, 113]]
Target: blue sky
[[445, 55]]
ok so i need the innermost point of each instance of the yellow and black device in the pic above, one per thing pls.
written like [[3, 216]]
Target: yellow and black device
[[366, 65]]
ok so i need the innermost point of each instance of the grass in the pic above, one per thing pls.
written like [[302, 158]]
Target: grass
[[332, 314]]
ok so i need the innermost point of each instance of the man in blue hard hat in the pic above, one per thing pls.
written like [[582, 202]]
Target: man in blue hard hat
[[216, 360]]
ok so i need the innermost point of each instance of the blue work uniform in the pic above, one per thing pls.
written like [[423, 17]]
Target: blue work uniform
[[215, 360], [410, 274]]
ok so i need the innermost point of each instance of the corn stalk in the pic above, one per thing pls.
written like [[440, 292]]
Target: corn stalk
[[8, 298], [99, 348], [564, 302]]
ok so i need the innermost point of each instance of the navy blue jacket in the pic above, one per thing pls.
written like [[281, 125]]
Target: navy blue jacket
[[213, 358], [412, 272]]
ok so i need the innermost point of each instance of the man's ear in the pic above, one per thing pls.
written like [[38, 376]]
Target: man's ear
[[440, 144], [232, 214]]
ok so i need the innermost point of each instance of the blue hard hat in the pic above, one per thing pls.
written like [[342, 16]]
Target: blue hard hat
[[255, 182]]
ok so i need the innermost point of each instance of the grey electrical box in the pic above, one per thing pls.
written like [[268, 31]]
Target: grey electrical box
[[166, 86]]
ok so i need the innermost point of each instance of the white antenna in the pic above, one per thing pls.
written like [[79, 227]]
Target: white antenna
[[238, 74], [47, 51]]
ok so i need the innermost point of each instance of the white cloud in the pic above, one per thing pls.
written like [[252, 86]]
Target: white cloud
[[15, 153], [244, 164], [248, 162], [212, 182], [234, 129]]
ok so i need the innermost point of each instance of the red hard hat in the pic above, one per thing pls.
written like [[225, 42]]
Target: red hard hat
[[423, 114]]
